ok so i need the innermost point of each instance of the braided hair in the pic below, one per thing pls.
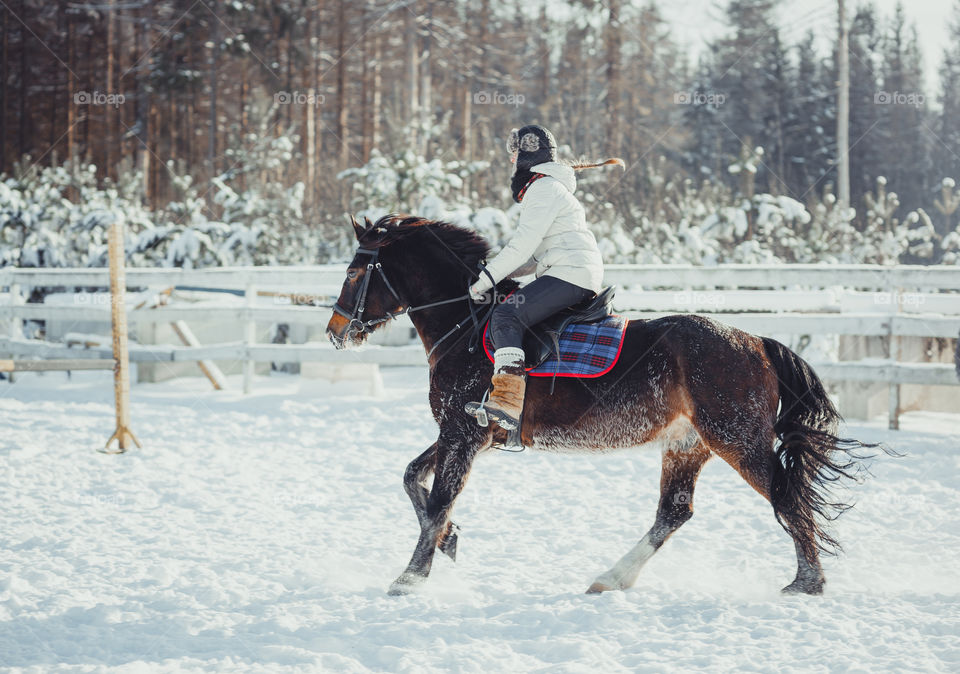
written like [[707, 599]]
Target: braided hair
[[533, 145]]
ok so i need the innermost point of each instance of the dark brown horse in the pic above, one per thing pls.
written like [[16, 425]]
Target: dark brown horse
[[690, 386]]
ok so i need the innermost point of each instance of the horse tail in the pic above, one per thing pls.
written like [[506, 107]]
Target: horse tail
[[811, 458]]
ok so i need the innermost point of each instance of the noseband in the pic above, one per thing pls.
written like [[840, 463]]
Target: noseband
[[359, 326]]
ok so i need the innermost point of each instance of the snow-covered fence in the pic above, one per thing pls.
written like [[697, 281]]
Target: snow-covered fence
[[838, 300], [250, 282]]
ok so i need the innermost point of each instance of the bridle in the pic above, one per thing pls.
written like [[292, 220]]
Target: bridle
[[359, 326]]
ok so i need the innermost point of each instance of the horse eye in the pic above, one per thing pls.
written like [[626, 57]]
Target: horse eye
[[352, 273]]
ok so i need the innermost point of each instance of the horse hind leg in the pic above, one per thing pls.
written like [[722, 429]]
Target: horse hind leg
[[810, 578], [756, 464], [681, 466]]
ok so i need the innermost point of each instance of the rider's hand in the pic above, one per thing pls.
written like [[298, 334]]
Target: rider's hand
[[476, 294], [480, 287]]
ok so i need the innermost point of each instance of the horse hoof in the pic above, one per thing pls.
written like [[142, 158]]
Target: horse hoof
[[405, 585], [599, 587], [448, 545], [799, 587]]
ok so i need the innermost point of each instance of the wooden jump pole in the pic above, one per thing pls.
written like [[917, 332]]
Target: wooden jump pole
[[57, 365], [121, 355]]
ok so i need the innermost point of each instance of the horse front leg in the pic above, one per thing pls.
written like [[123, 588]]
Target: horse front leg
[[415, 484], [453, 462], [415, 480]]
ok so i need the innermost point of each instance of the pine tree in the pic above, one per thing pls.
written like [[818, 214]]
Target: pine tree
[[781, 95], [704, 156], [946, 144], [810, 128], [866, 155], [903, 114], [742, 74]]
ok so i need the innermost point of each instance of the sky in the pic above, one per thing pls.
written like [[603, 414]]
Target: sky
[[695, 22]]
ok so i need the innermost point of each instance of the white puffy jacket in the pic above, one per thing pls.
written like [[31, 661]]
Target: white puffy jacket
[[553, 230]]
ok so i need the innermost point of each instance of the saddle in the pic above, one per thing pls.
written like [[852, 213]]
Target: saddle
[[542, 340]]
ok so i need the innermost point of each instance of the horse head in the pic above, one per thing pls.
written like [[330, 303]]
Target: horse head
[[367, 296], [403, 263]]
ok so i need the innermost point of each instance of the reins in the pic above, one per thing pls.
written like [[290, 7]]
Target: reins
[[358, 325]]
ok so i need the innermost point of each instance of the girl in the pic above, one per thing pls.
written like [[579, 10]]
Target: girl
[[553, 231]]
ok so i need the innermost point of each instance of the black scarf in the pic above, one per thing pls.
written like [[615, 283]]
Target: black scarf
[[519, 181]]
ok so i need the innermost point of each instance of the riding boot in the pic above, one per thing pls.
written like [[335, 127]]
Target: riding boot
[[509, 385]]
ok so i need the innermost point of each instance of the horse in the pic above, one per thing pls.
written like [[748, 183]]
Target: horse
[[684, 383]]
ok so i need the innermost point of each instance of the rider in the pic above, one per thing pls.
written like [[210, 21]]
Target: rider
[[553, 231]]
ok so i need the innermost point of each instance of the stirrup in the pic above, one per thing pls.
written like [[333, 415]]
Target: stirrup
[[478, 411]]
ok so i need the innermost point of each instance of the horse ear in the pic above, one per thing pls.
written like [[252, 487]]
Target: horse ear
[[367, 220], [358, 229]]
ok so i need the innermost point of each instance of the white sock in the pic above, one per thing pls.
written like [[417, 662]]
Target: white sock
[[508, 357]]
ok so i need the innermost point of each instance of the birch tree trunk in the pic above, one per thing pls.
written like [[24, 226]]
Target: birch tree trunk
[[426, 104], [4, 51], [342, 109], [108, 111], [614, 39], [309, 111], [412, 66], [213, 57], [24, 92], [143, 66], [377, 103]]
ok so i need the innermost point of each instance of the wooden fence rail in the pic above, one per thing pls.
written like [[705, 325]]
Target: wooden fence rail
[[851, 300], [651, 276]]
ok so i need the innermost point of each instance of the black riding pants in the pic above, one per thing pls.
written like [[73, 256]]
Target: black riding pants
[[529, 305]]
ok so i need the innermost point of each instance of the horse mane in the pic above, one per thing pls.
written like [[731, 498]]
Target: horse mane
[[446, 238]]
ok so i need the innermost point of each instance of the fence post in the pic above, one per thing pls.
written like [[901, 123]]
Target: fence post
[[16, 323], [893, 351], [121, 356], [249, 366]]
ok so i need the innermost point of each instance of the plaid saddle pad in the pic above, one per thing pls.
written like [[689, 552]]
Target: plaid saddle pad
[[586, 349]]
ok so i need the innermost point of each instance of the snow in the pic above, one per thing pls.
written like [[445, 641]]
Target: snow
[[261, 533]]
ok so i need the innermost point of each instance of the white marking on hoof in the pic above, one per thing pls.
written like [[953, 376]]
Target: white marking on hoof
[[624, 574], [604, 583]]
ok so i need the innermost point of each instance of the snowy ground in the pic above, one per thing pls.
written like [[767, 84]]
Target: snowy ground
[[261, 533]]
